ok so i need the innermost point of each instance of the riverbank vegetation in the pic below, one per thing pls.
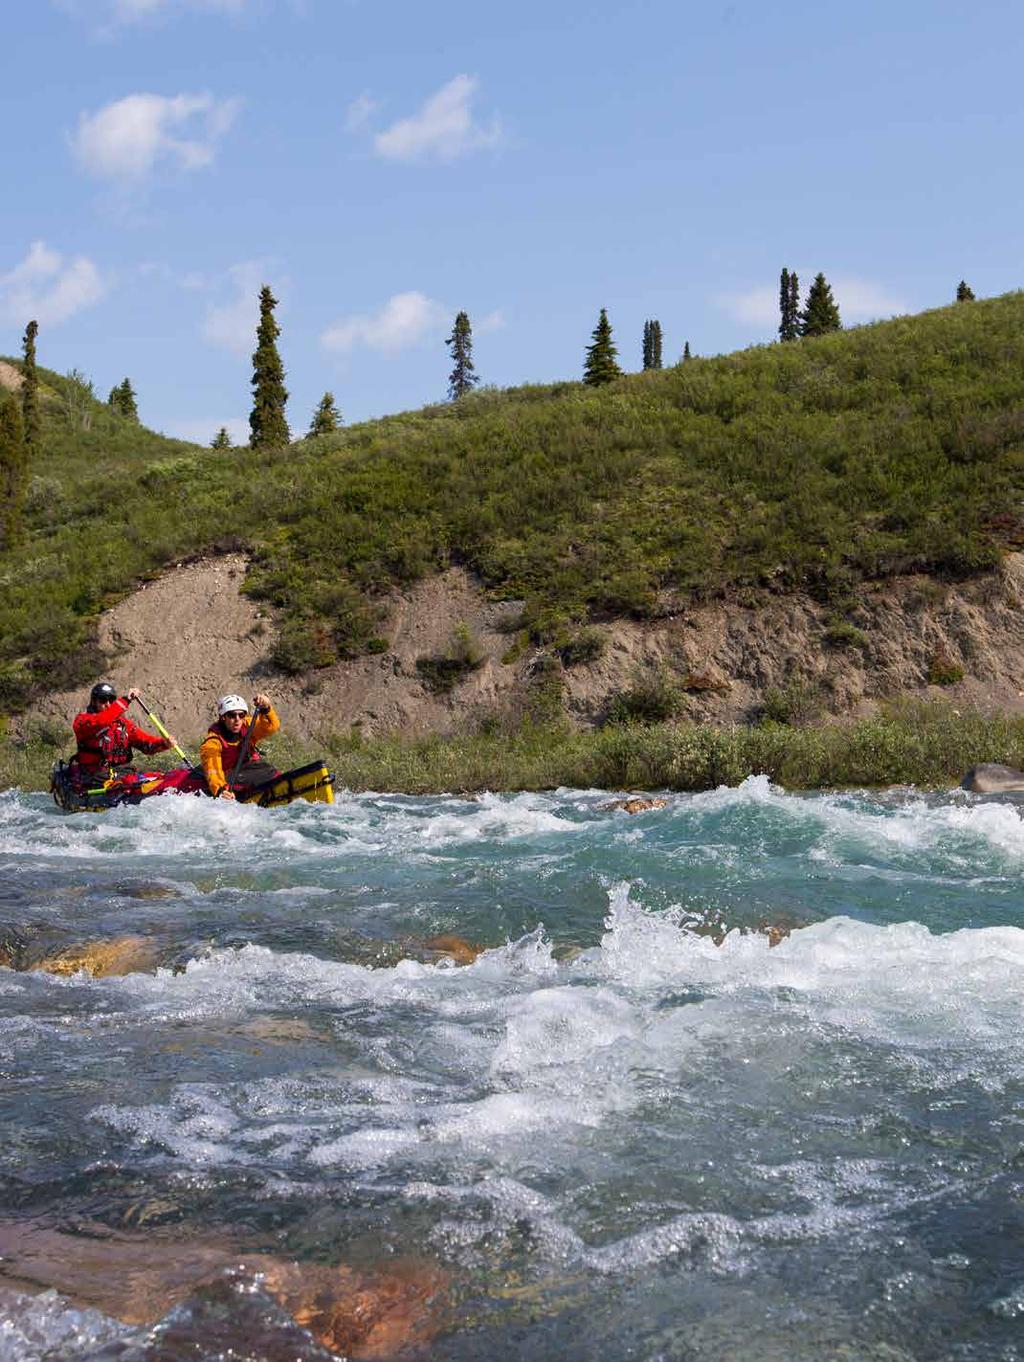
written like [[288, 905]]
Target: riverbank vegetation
[[928, 745], [809, 466]]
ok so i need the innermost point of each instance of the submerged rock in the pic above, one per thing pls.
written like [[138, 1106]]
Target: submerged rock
[[634, 805], [139, 1277], [989, 777], [452, 947], [101, 959]]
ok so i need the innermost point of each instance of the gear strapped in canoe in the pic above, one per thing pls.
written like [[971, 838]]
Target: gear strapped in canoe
[[312, 782]]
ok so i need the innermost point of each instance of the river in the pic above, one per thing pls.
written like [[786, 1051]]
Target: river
[[522, 1076]]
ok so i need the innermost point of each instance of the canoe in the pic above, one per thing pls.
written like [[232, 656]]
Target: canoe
[[312, 782]]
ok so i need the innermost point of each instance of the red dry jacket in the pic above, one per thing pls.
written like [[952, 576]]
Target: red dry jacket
[[106, 737]]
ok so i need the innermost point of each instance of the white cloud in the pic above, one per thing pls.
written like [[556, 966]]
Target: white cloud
[[403, 321], [49, 289], [359, 112], [232, 325], [859, 300], [493, 321], [129, 10], [443, 129], [756, 307], [138, 11], [127, 138], [201, 432], [862, 301]]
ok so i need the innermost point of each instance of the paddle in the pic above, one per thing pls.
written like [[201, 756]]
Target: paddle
[[164, 734], [243, 751]]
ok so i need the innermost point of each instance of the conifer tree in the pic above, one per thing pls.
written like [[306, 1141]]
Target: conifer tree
[[127, 404], [122, 399], [326, 418], [964, 292], [821, 314], [13, 470], [222, 440], [463, 377], [267, 424], [686, 351], [789, 306], [652, 345], [30, 389], [601, 364]]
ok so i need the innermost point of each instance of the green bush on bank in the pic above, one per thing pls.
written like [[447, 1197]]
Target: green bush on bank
[[912, 744]]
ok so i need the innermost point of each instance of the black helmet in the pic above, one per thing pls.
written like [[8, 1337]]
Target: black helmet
[[102, 695]]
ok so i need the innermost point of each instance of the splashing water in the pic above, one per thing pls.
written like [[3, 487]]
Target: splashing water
[[740, 1077]]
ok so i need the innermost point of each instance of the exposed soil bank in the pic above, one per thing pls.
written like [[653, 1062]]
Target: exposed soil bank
[[190, 635]]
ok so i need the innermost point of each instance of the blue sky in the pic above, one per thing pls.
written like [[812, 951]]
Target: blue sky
[[383, 165]]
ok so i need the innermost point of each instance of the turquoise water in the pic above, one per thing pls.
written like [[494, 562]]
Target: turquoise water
[[631, 1128]]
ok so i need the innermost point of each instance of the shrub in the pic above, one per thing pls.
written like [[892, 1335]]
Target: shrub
[[376, 645], [842, 634], [943, 671], [797, 703], [652, 699], [302, 644], [582, 648]]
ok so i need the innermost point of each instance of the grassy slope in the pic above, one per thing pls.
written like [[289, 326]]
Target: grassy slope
[[893, 447]]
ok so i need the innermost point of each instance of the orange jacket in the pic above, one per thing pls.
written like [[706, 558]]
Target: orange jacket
[[219, 752]]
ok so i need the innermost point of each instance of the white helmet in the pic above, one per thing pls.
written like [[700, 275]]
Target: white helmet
[[230, 704]]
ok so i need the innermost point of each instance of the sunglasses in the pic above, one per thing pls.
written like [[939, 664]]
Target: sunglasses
[[236, 714]]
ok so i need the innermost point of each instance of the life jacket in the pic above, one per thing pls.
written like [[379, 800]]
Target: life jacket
[[111, 746], [229, 749]]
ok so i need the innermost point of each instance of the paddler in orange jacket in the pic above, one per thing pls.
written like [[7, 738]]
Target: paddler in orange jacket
[[229, 737]]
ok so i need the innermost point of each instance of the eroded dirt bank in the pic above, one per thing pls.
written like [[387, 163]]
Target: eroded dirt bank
[[190, 635]]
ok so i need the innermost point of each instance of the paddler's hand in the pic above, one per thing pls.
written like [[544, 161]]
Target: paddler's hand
[[226, 794], [261, 702], [133, 694]]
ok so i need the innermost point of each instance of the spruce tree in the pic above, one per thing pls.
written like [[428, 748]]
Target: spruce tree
[[326, 418], [601, 365], [463, 377], [789, 306], [686, 351], [13, 470], [652, 345], [821, 314], [30, 389], [122, 399], [126, 403], [964, 292], [222, 440], [269, 429]]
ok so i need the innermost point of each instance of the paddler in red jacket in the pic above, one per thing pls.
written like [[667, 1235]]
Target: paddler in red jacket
[[229, 738], [106, 737]]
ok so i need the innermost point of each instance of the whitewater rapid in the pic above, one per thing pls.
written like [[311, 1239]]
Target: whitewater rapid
[[738, 1077]]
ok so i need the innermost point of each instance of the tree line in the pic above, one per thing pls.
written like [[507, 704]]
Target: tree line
[[21, 418]]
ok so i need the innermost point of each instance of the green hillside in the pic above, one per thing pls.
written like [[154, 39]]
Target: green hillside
[[808, 466]]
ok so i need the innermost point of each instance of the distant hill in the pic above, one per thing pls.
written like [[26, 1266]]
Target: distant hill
[[809, 467]]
